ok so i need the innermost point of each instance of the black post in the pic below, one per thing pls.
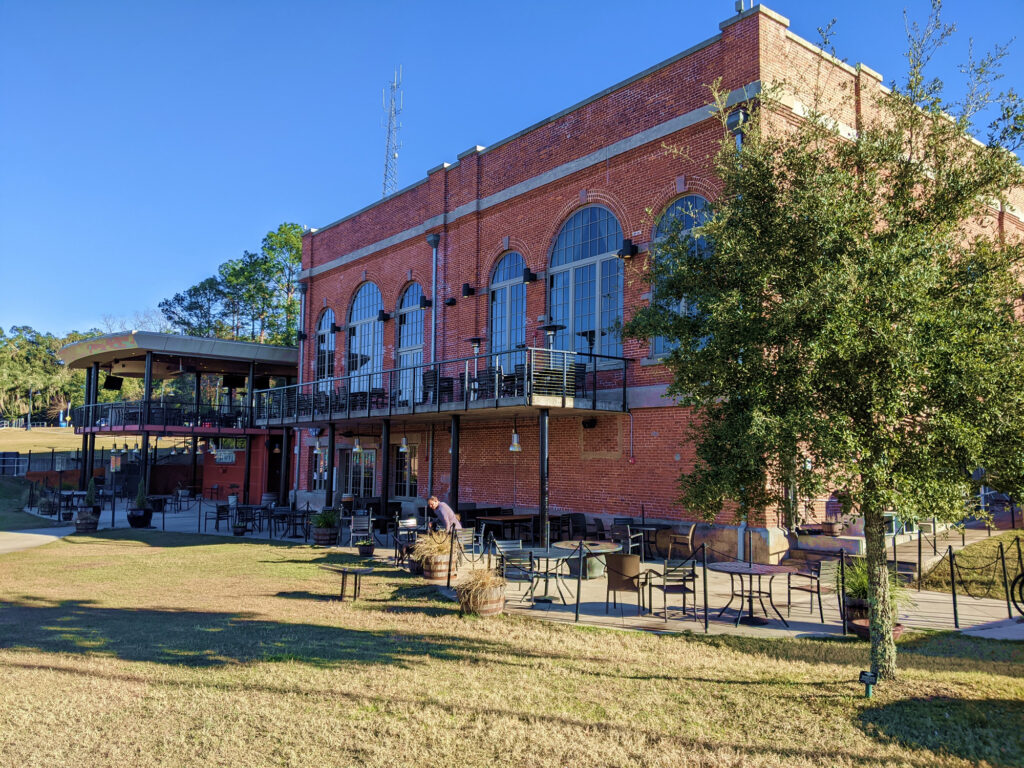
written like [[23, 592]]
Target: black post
[[1013, 514], [543, 440], [451, 552], [197, 402], [87, 422], [250, 394], [1020, 559], [385, 467], [248, 469], [935, 537], [329, 482], [453, 491], [147, 385], [195, 467], [921, 562], [1006, 581], [282, 493], [842, 587], [704, 564], [952, 584], [579, 581]]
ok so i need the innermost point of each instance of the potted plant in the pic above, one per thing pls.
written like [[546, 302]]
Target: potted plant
[[435, 553], [239, 529], [88, 518], [140, 516], [857, 600], [325, 528], [364, 547], [482, 593]]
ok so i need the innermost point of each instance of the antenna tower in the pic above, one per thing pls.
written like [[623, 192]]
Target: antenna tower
[[391, 99]]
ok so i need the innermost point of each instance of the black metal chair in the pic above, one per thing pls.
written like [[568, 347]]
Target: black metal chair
[[220, 512], [820, 577], [679, 576]]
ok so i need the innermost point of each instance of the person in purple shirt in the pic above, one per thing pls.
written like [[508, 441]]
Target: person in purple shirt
[[445, 516]]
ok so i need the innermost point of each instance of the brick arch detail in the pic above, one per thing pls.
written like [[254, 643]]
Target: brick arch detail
[[513, 245], [707, 188], [594, 197]]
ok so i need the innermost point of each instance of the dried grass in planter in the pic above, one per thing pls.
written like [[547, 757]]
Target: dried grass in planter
[[483, 593], [434, 544]]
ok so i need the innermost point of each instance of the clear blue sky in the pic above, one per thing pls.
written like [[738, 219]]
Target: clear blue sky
[[144, 143]]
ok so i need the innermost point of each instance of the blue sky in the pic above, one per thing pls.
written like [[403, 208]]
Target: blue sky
[[144, 143]]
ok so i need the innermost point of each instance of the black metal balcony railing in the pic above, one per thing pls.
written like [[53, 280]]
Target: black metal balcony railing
[[168, 413], [529, 376]]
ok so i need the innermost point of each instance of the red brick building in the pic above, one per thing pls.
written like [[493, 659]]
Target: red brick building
[[427, 314]]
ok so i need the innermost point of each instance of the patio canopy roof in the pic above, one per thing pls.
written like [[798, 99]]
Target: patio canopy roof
[[124, 354]]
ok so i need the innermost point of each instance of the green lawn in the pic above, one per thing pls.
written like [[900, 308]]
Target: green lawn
[[979, 571], [145, 649], [13, 495]]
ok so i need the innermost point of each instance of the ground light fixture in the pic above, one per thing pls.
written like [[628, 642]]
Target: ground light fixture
[[515, 447]]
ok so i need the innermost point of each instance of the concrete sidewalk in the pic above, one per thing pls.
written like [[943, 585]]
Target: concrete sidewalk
[[15, 541]]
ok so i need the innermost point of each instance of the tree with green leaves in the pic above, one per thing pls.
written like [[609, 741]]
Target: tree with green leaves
[[855, 317]]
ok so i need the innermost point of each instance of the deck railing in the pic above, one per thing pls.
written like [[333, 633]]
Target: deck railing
[[528, 376], [166, 413]]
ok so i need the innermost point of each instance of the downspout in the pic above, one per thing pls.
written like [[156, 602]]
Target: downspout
[[432, 240], [430, 463]]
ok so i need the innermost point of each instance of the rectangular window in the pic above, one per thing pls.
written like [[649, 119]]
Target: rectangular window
[[611, 307], [317, 470], [404, 481], [356, 472]]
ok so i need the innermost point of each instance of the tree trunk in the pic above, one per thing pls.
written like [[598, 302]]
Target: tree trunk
[[883, 647]]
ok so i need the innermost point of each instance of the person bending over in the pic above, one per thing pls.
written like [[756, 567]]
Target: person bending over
[[445, 516]]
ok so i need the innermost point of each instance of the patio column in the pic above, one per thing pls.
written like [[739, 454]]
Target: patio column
[[195, 468], [453, 491], [282, 491], [147, 385], [195, 416], [85, 437], [543, 440], [94, 397], [248, 469], [329, 483], [385, 466]]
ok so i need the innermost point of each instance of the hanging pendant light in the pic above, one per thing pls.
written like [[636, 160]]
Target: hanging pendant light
[[404, 447], [356, 447], [515, 447], [316, 450]]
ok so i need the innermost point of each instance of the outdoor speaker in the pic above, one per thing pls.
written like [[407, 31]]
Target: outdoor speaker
[[113, 382]]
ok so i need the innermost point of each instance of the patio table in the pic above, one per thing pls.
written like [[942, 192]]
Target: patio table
[[504, 520], [750, 570], [594, 563], [552, 557]]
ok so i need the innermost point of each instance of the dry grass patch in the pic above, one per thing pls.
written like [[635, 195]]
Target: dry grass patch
[[219, 652], [40, 439], [979, 571]]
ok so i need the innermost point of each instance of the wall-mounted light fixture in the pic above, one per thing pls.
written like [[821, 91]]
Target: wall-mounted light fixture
[[450, 301], [301, 335], [628, 250], [335, 328], [425, 303], [468, 290], [588, 423], [529, 276], [382, 316]]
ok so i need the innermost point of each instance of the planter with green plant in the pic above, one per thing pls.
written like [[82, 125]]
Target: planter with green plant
[[140, 515], [325, 528], [435, 553], [857, 598], [88, 517], [482, 593], [365, 547]]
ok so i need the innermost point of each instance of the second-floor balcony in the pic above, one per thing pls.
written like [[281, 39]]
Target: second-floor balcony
[[162, 415], [508, 381]]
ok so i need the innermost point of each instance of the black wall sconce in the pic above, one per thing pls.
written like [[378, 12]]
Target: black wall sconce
[[450, 301], [382, 316], [301, 335], [528, 276], [588, 423], [335, 328], [425, 303], [628, 250], [468, 290]]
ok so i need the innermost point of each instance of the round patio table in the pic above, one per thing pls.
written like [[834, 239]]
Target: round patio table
[[750, 570], [552, 557], [593, 550]]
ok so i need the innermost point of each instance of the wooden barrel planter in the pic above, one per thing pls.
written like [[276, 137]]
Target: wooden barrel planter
[[325, 537], [862, 629], [489, 602], [435, 568], [88, 525]]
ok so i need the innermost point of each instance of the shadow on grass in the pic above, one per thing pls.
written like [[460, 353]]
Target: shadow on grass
[[975, 730], [201, 639]]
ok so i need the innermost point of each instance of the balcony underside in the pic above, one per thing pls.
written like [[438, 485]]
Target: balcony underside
[[176, 430], [483, 408]]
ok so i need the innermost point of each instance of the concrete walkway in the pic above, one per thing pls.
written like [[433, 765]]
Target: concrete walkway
[[15, 541]]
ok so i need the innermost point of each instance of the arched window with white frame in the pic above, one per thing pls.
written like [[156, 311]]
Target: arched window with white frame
[[585, 282], [507, 312], [324, 366], [409, 343], [684, 215], [365, 340]]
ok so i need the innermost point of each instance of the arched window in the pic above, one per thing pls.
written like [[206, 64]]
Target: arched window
[[410, 343], [508, 312], [585, 282], [325, 345], [365, 339], [686, 213]]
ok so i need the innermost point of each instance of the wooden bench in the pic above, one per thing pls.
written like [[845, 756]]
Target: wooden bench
[[356, 573]]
